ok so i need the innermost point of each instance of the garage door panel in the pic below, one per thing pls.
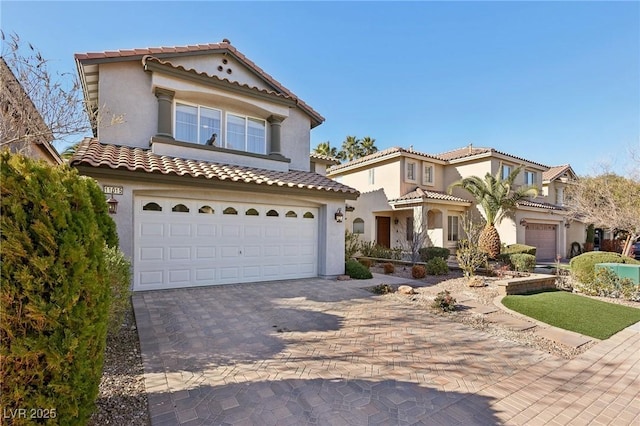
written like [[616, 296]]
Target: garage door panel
[[543, 237], [180, 249], [151, 253]]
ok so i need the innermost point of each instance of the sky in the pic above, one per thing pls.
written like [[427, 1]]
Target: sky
[[552, 82]]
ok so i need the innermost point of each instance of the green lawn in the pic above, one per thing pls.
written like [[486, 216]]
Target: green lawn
[[573, 312]]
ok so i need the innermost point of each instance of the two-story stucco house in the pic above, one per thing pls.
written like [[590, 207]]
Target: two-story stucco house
[[405, 191], [210, 167]]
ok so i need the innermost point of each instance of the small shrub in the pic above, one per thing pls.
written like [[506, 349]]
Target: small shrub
[[518, 249], [389, 268], [351, 244], [523, 262], [428, 253], [437, 266], [418, 271], [366, 262], [583, 266], [470, 257], [118, 278], [607, 283], [382, 289], [367, 248], [444, 302], [475, 281], [357, 270]]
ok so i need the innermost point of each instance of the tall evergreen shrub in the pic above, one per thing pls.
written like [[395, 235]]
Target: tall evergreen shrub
[[54, 301]]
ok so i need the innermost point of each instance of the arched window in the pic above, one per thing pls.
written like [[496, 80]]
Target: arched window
[[291, 213], [154, 207], [358, 226], [206, 210], [273, 213], [308, 215], [230, 210], [252, 212], [180, 208]]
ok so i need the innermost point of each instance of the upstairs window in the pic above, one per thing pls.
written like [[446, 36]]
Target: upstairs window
[[198, 124], [410, 171], [372, 176], [506, 171], [530, 178], [427, 174]]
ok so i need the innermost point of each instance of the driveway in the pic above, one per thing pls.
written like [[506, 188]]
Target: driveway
[[331, 353]]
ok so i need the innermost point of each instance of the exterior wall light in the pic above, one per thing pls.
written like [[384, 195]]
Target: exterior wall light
[[339, 216], [523, 222], [113, 205]]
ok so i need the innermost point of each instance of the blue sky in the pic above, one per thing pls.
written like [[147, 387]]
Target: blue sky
[[554, 82]]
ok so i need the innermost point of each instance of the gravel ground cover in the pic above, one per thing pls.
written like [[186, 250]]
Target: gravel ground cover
[[123, 400]]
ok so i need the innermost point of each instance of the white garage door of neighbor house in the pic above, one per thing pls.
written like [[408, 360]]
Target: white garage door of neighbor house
[[543, 237], [184, 243]]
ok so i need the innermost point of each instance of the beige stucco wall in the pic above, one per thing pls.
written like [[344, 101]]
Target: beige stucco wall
[[209, 64]]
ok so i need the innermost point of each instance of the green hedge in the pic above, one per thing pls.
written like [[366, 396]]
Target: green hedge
[[54, 298], [437, 266], [583, 266], [519, 249], [357, 270], [428, 253], [523, 262]]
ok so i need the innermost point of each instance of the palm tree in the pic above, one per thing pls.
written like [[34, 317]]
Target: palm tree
[[351, 149], [367, 145], [325, 148], [498, 198]]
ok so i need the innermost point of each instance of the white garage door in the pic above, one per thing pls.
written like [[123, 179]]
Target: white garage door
[[183, 243], [543, 237]]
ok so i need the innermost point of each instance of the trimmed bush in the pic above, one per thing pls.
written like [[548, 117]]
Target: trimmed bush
[[118, 278], [54, 297], [428, 253], [444, 302], [418, 271], [523, 262], [382, 289], [389, 268], [357, 270], [518, 249], [583, 266], [437, 266]]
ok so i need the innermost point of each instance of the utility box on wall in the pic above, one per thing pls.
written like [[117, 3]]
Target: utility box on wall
[[622, 270]]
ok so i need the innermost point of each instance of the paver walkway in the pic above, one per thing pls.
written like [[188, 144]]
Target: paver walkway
[[326, 352]]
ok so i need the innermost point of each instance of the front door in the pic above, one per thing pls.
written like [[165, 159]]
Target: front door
[[383, 231]]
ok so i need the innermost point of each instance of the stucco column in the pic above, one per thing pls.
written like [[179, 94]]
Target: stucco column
[[560, 195], [165, 119], [276, 124]]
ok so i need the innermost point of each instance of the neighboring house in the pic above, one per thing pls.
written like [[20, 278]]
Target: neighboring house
[[210, 168], [22, 128], [405, 191]]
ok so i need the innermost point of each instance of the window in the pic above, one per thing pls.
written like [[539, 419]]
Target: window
[[206, 210], [230, 210], [410, 171], [410, 228], [180, 208], [372, 176], [246, 134], [506, 171], [154, 207], [358, 226], [530, 178], [272, 213], [291, 213], [196, 123], [452, 232], [308, 215], [427, 174], [252, 212]]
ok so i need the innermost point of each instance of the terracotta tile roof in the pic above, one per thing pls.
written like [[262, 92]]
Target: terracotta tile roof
[[470, 151], [94, 154], [540, 205], [555, 171], [167, 52], [325, 158], [421, 194], [380, 154]]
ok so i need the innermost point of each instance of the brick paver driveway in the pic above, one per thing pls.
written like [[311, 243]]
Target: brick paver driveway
[[325, 352]]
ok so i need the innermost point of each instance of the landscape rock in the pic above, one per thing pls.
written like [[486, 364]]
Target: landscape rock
[[405, 289]]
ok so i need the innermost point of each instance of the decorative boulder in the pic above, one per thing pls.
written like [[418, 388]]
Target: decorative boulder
[[405, 289]]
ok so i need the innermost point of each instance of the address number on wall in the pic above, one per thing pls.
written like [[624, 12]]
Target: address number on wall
[[110, 189]]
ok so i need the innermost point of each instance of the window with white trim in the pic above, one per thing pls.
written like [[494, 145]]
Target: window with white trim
[[372, 176], [530, 178], [198, 124], [410, 171], [453, 228], [427, 174], [358, 226]]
